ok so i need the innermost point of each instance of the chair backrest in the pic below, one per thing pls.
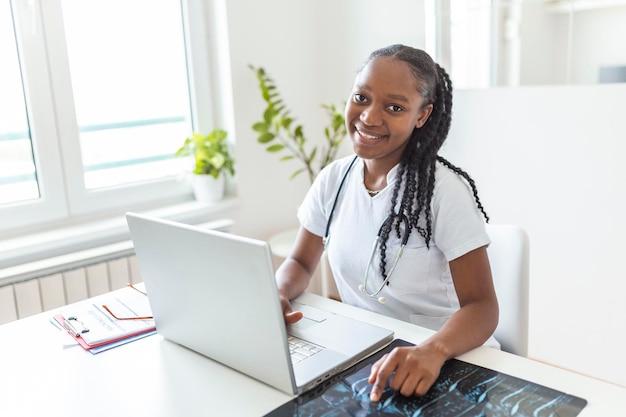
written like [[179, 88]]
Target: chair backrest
[[509, 259]]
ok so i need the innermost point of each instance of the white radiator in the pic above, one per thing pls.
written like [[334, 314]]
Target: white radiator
[[40, 286]]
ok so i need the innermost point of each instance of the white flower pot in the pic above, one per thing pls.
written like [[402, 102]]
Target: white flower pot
[[208, 189]]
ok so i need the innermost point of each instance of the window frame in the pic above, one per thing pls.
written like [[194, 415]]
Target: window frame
[[55, 136], [62, 222]]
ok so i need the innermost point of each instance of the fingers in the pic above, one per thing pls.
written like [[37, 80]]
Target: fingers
[[290, 315], [378, 377], [293, 316], [375, 368], [410, 372]]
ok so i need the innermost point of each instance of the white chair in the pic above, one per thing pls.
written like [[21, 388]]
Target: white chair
[[509, 259]]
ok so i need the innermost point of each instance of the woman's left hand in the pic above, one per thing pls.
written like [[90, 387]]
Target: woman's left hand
[[413, 370]]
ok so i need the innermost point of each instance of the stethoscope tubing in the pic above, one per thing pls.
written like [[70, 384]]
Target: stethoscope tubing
[[405, 238], [332, 210], [390, 218]]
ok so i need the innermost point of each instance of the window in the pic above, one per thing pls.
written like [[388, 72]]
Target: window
[[17, 169], [460, 34], [479, 42], [129, 88], [97, 97], [470, 46]]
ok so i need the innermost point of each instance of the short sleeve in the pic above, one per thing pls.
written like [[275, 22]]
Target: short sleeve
[[458, 224], [315, 209]]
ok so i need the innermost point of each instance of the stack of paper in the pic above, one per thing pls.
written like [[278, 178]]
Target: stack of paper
[[109, 320]]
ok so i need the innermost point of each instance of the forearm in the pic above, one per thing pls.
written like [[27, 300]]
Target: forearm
[[468, 328], [477, 318], [292, 278], [294, 274]]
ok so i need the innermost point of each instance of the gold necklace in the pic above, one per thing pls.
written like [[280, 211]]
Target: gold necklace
[[372, 193]]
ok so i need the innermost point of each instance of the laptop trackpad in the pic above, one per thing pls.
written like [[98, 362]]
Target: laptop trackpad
[[310, 313], [303, 323]]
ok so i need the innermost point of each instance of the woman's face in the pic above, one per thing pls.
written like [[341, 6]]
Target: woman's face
[[383, 109]]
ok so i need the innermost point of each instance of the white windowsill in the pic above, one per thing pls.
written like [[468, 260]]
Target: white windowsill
[[88, 235]]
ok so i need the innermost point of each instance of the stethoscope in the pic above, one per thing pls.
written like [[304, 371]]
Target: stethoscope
[[405, 238]]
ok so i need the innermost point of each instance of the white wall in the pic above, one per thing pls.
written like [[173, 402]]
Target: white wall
[[545, 158], [559, 46], [551, 159], [607, 28]]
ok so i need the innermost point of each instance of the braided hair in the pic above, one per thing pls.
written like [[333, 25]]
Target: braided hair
[[417, 166]]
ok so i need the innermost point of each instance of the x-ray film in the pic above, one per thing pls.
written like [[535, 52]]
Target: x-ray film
[[462, 389]]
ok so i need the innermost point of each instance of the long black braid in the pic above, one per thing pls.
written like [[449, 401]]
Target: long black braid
[[417, 167]]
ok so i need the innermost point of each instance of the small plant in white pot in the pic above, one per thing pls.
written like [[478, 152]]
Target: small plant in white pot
[[213, 160]]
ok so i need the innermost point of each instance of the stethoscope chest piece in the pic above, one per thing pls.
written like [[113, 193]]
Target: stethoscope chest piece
[[381, 299]]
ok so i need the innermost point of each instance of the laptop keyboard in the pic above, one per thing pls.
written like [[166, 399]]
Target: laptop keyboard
[[301, 349]]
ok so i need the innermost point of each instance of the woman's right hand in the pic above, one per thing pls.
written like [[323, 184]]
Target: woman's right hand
[[290, 315], [295, 272]]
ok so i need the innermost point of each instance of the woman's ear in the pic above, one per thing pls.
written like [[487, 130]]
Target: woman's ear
[[423, 115]]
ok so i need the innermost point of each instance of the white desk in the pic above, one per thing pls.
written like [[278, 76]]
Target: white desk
[[154, 377]]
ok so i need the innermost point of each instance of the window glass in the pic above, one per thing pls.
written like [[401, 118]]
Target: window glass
[[130, 88], [459, 35], [470, 34], [18, 179]]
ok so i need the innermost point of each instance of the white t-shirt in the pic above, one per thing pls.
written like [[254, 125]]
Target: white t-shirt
[[420, 288]]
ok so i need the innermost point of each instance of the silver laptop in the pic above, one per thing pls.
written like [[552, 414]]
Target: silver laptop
[[215, 293]]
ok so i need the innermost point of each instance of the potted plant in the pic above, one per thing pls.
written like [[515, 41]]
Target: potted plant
[[213, 161], [279, 133]]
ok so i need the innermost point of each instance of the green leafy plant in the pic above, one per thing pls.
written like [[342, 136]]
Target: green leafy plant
[[211, 152], [279, 132]]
